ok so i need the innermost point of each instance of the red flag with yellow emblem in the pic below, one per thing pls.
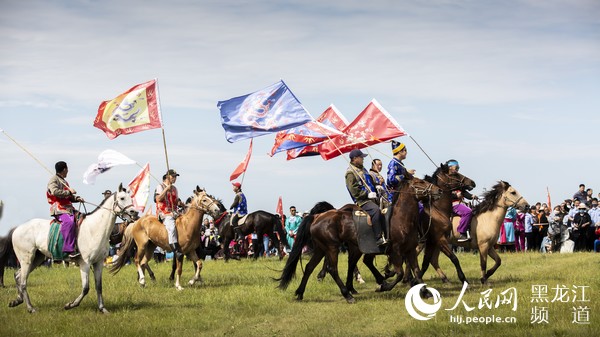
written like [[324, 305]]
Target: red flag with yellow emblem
[[133, 111]]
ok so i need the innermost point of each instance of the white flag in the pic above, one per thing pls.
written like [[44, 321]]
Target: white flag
[[106, 160], [139, 188]]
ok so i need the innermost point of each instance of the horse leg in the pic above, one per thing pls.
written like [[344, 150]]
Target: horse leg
[[397, 262], [498, 261], [98, 267], [353, 257], [450, 254], [140, 262], [178, 275], [318, 255], [483, 254], [414, 264], [173, 269], [333, 270], [21, 276], [322, 273], [368, 260], [198, 263], [84, 270]]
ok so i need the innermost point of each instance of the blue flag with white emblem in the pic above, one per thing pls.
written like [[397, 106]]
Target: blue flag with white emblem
[[269, 110]]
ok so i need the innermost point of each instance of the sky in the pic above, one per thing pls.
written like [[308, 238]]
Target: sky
[[508, 88]]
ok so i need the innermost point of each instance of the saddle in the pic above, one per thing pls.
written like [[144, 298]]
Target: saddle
[[240, 222], [364, 234]]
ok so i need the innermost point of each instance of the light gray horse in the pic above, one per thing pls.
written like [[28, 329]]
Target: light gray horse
[[30, 244]]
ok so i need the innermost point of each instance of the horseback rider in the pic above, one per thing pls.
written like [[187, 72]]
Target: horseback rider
[[362, 190], [379, 182], [396, 170], [459, 207], [167, 200], [239, 208], [61, 197]]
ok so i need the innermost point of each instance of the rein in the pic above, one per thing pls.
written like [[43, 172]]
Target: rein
[[115, 204]]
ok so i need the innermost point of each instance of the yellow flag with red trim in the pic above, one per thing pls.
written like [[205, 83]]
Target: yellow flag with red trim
[[133, 111]]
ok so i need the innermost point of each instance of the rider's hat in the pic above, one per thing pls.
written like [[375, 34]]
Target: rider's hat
[[397, 146], [237, 184], [173, 173]]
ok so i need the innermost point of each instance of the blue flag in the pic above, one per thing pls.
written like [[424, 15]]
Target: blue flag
[[266, 111]]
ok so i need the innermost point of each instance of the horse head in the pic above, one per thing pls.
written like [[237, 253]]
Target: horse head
[[511, 197], [206, 203], [424, 190], [451, 181], [123, 204]]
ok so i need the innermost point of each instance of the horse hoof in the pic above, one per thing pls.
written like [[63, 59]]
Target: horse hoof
[[69, 306], [14, 303], [191, 282], [31, 310], [379, 288], [180, 288], [350, 300], [353, 291], [103, 311]]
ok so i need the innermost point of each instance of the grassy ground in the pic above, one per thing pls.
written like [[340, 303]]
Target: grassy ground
[[239, 298]]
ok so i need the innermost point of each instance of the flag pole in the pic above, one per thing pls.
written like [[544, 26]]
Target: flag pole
[[162, 123], [27, 151], [434, 164]]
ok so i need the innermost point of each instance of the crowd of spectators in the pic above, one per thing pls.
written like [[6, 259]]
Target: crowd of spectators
[[573, 225]]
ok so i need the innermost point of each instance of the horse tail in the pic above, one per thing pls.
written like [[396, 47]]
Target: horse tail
[[6, 251], [302, 239], [124, 252]]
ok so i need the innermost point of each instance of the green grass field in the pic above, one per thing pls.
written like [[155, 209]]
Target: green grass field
[[240, 298]]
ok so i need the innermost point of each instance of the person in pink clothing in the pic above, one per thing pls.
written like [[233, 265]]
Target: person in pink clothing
[[520, 231]]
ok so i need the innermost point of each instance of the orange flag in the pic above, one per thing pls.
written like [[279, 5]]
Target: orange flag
[[243, 165], [133, 111], [279, 210], [140, 188]]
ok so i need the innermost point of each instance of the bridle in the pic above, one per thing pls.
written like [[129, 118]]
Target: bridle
[[122, 210], [199, 206], [514, 203], [460, 183]]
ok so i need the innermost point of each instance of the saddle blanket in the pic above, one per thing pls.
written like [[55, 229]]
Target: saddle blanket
[[56, 241], [364, 233]]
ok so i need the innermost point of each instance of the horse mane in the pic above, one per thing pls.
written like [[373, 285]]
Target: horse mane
[[99, 206], [490, 198], [320, 207]]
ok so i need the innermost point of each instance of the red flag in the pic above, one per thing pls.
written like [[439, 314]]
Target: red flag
[[133, 111], [372, 126], [330, 117], [243, 165], [140, 188], [279, 210]]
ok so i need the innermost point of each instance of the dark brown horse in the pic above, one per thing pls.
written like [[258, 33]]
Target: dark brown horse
[[259, 222], [438, 216], [330, 229]]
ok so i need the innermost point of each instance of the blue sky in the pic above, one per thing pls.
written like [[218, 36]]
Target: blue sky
[[510, 89]]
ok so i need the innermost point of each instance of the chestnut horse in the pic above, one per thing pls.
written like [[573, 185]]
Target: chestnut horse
[[488, 216], [148, 232], [328, 230]]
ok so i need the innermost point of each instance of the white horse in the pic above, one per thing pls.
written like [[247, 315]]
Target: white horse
[[30, 243]]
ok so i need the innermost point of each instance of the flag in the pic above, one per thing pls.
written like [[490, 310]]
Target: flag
[[268, 110], [139, 188], [135, 110], [243, 165], [372, 126], [279, 211], [303, 135], [106, 160], [330, 117]]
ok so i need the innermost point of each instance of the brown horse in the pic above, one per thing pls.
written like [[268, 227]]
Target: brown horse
[[438, 216], [488, 216], [328, 230], [148, 233]]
